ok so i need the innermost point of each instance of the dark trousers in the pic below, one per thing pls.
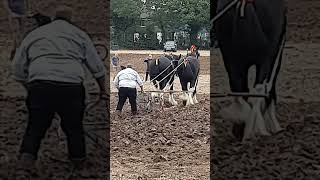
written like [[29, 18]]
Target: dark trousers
[[125, 93], [45, 98]]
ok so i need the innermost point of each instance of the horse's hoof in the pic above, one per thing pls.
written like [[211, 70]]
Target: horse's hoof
[[184, 103]]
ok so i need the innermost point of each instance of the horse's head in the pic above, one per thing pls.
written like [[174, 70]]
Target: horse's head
[[147, 61], [152, 64], [175, 60]]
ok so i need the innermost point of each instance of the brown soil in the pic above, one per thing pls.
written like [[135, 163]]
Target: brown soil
[[172, 143]]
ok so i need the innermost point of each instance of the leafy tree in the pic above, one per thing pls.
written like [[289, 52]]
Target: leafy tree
[[125, 15], [196, 14], [168, 15], [159, 14], [185, 15]]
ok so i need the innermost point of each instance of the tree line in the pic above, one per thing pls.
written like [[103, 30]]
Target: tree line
[[185, 19]]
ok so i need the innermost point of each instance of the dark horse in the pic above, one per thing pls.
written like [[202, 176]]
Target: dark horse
[[187, 69], [161, 71], [251, 33], [188, 73]]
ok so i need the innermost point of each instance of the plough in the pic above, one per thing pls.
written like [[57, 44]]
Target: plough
[[147, 99]]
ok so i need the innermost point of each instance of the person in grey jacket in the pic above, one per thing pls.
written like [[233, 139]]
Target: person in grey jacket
[[50, 63]]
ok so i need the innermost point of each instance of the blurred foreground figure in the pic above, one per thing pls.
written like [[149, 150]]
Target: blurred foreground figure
[[50, 64]]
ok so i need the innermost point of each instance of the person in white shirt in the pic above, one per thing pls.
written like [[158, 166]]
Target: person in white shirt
[[126, 82], [51, 63]]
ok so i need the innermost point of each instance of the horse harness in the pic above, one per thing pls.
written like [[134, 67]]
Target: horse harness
[[241, 4]]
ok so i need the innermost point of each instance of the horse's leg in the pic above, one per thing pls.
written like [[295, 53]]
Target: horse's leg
[[239, 111], [171, 97], [269, 111], [193, 91], [189, 93], [162, 86], [184, 92], [155, 88], [194, 94]]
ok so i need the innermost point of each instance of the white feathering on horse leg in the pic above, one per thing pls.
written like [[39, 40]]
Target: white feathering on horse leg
[[256, 124], [154, 94], [172, 101], [195, 100], [193, 97], [161, 96], [190, 98], [184, 96], [238, 112], [271, 119]]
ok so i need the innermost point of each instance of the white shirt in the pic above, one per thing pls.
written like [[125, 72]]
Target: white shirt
[[127, 78], [58, 51]]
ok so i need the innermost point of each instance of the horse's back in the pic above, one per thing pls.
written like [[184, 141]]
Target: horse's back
[[258, 32]]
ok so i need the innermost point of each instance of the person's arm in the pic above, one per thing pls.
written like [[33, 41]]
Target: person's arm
[[19, 66], [140, 82], [116, 81], [102, 85], [95, 64]]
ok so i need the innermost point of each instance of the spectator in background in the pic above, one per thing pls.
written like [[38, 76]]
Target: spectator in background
[[145, 60], [115, 61], [194, 51]]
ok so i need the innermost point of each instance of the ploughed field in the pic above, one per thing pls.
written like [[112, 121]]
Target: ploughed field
[[169, 142]]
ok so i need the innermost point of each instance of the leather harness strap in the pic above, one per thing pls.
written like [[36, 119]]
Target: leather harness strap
[[242, 5]]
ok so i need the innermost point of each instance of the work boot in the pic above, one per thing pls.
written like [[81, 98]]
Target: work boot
[[25, 167]]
